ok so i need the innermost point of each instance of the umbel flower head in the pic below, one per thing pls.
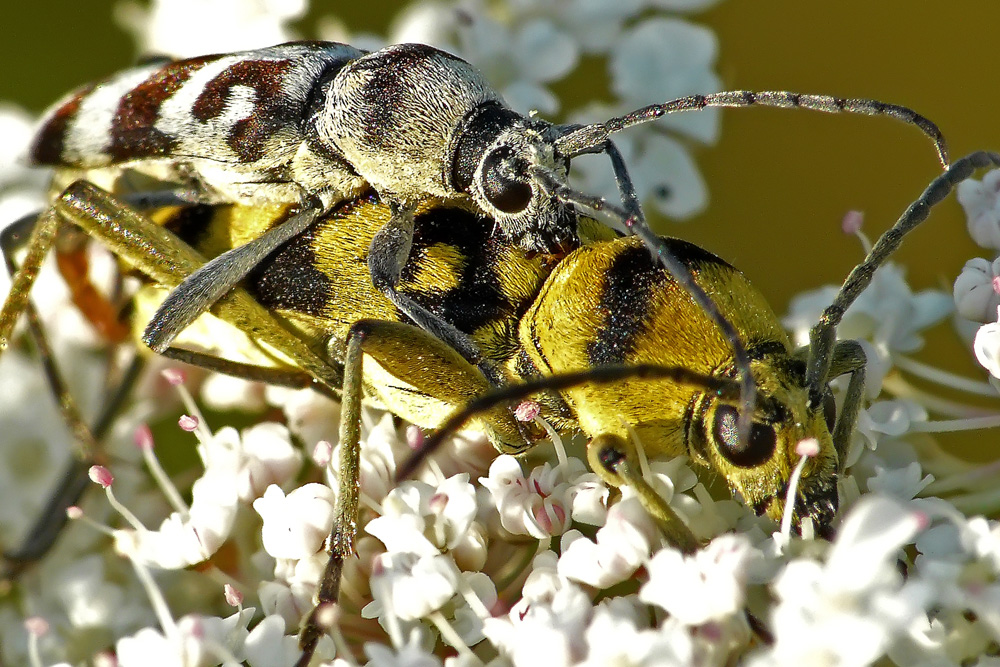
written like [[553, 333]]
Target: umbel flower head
[[488, 559]]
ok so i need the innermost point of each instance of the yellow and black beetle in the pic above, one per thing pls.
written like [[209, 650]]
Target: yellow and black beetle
[[604, 340]]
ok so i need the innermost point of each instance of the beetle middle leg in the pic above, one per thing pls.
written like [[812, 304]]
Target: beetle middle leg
[[848, 357], [438, 378], [88, 439]]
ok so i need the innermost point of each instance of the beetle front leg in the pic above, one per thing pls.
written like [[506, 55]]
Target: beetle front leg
[[848, 357]]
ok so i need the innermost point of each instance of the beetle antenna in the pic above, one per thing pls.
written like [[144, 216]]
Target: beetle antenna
[[580, 140], [823, 334], [723, 388]]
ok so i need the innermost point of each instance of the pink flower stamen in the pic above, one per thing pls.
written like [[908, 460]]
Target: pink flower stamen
[[527, 411], [188, 423], [36, 626], [322, 453], [851, 224], [414, 437], [233, 597], [101, 475], [174, 376]]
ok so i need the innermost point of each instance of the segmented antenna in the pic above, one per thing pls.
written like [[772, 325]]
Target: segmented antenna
[[585, 139], [824, 333]]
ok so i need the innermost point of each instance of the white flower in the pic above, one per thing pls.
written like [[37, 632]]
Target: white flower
[[683, 5], [309, 415], [225, 392], [539, 505], [596, 25], [468, 623], [410, 654], [186, 539], [981, 201], [278, 599], [975, 290], [267, 645], [185, 28], [546, 627], [410, 586], [590, 500], [518, 60], [296, 525], [617, 636], [987, 347], [887, 313], [891, 418], [982, 538], [419, 518], [621, 546], [32, 455], [960, 559], [664, 58], [22, 189], [195, 643], [705, 586], [804, 310], [847, 610], [258, 457], [900, 483]]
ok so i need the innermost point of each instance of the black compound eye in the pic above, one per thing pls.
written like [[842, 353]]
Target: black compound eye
[[755, 450], [829, 411], [507, 194]]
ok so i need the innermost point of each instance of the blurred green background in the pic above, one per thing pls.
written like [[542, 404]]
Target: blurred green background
[[779, 181]]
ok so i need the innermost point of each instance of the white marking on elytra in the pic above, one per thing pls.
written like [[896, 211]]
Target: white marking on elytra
[[203, 138], [89, 134]]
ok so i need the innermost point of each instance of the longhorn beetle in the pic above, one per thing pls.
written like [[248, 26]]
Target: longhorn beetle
[[552, 333], [316, 123]]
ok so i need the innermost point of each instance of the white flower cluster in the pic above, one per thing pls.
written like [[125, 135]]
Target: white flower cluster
[[492, 560], [977, 289]]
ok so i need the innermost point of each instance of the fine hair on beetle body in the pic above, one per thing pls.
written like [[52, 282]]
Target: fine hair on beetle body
[[600, 340], [316, 123], [368, 156]]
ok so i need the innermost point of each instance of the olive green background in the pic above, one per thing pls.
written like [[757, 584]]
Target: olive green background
[[780, 181]]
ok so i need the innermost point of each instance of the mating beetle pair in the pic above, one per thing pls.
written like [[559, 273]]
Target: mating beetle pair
[[319, 125]]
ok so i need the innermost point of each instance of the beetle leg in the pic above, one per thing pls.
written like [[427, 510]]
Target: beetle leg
[[159, 254], [848, 357], [74, 480], [200, 290], [44, 531], [614, 459], [388, 253], [434, 370], [279, 377]]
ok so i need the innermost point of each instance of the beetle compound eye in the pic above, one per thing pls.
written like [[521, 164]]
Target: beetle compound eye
[[755, 450], [829, 410], [507, 194]]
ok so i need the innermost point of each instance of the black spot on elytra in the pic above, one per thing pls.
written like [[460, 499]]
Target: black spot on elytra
[[288, 278], [625, 298], [477, 298], [191, 223]]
